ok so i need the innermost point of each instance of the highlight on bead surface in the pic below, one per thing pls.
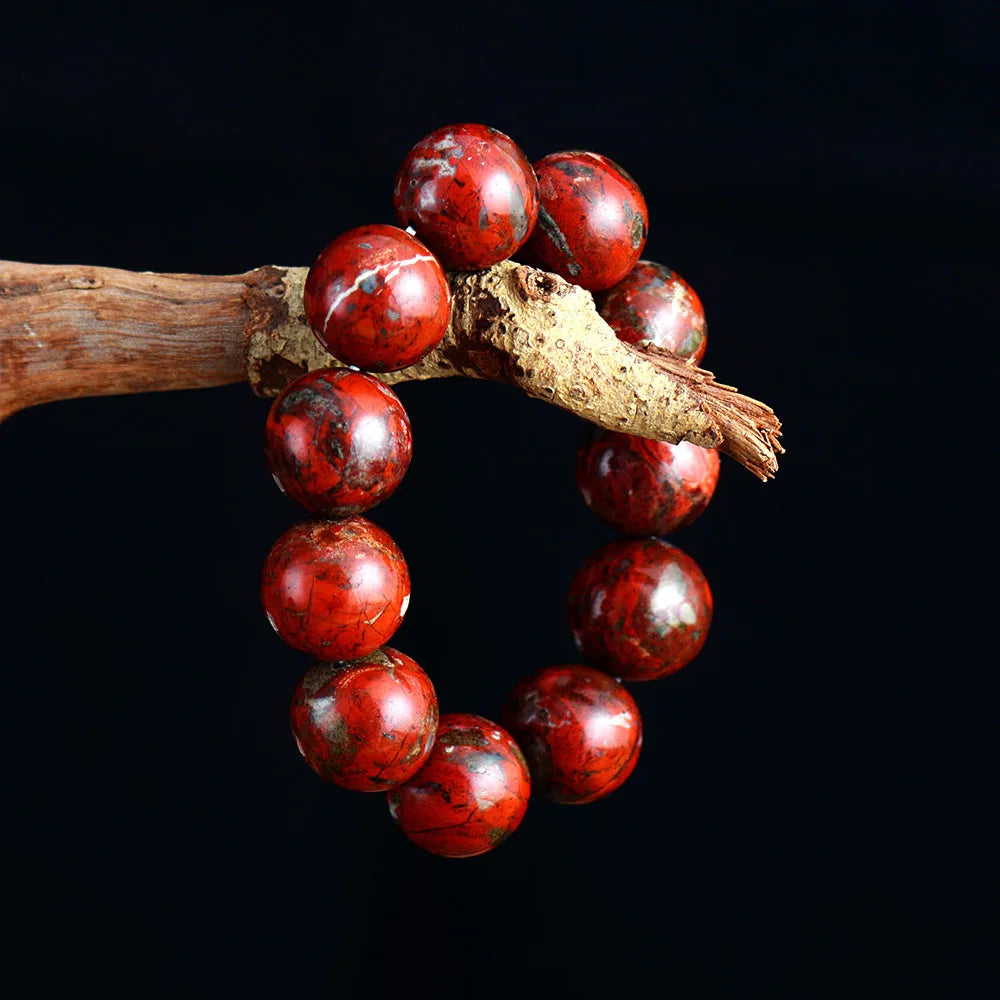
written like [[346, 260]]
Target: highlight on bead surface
[[365, 716], [639, 609], [579, 730], [336, 589], [592, 222], [470, 795], [645, 487], [377, 298], [653, 306], [470, 193], [368, 724], [338, 441]]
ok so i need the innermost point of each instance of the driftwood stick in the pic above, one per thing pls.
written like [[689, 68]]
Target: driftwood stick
[[69, 331]]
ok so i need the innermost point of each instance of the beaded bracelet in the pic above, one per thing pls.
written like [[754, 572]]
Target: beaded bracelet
[[338, 441]]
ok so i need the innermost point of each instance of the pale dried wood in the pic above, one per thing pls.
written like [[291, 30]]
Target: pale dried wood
[[69, 331]]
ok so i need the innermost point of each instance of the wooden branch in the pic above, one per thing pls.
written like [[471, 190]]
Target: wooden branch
[[68, 331], [95, 331]]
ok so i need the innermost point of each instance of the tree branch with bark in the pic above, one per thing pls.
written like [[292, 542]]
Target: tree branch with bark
[[71, 331]]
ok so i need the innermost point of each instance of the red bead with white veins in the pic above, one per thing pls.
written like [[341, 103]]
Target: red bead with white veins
[[653, 306], [338, 441], [377, 298], [470, 795], [336, 589], [640, 609], [470, 193], [592, 222], [365, 725], [579, 730], [645, 487]]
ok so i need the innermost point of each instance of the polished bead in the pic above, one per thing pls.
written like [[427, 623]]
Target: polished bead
[[470, 795], [639, 609], [645, 487], [377, 298], [654, 306], [579, 729], [336, 589], [337, 441], [368, 724], [592, 222], [470, 194]]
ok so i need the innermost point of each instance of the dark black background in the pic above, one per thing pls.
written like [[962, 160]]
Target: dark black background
[[799, 824]]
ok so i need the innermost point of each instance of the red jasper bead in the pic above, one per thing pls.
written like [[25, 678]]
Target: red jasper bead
[[376, 298], [592, 223], [336, 589], [640, 609], [471, 794], [338, 441], [645, 487], [654, 306], [368, 724], [470, 193], [579, 729]]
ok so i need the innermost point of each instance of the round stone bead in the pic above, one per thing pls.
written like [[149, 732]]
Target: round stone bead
[[377, 298], [471, 794], [644, 487], [654, 306], [365, 725], [579, 729], [592, 223], [470, 194], [640, 609], [337, 441], [336, 589]]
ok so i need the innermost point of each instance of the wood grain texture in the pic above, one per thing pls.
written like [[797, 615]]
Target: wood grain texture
[[69, 331]]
